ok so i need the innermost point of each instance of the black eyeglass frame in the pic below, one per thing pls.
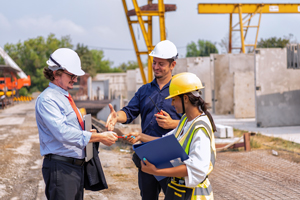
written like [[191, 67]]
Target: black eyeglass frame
[[71, 75]]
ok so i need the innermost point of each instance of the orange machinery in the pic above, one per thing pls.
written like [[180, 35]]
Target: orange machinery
[[9, 83]]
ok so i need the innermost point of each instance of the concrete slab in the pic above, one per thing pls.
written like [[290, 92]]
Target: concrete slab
[[11, 121], [224, 131], [290, 133]]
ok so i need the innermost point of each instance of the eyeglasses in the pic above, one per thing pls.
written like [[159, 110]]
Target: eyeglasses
[[71, 75]]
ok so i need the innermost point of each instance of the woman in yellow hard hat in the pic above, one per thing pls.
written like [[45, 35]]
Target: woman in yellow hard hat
[[195, 133]]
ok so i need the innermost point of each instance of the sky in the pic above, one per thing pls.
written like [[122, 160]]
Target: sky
[[102, 25]]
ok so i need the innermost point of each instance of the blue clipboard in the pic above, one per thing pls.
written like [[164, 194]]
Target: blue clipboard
[[161, 152]]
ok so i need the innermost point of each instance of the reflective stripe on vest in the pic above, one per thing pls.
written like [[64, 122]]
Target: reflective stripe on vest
[[185, 141], [204, 189], [181, 123]]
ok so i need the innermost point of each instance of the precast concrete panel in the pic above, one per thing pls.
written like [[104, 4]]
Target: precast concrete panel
[[138, 78], [181, 66], [117, 84], [244, 94], [241, 62], [277, 89], [131, 83], [242, 67], [212, 82], [201, 67], [103, 114], [98, 90], [223, 85]]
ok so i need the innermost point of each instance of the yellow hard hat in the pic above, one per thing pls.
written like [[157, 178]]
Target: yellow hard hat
[[183, 83]]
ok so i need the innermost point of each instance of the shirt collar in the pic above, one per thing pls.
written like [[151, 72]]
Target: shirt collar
[[154, 82], [59, 89]]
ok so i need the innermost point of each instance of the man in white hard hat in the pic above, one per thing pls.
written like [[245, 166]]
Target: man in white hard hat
[[61, 130], [153, 123]]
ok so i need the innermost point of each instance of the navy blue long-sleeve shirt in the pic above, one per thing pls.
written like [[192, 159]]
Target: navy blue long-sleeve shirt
[[142, 104]]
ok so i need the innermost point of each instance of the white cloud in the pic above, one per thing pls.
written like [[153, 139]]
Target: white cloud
[[4, 23], [48, 24], [104, 31]]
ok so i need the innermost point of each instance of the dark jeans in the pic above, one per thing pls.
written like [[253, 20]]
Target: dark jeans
[[63, 180], [150, 187]]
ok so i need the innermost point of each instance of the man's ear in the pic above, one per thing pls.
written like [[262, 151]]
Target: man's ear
[[54, 74], [173, 65]]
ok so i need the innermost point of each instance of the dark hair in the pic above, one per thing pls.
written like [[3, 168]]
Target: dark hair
[[48, 73], [170, 60], [200, 103]]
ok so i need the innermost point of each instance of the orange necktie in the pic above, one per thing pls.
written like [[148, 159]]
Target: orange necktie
[[76, 111]]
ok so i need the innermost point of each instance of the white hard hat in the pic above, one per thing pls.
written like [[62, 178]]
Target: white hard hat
[[165, 50], [66, 59]]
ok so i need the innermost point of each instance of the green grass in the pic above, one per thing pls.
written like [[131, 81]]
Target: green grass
[[260, 141]]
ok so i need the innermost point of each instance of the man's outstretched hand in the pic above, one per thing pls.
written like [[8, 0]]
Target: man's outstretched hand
[[111, 119]]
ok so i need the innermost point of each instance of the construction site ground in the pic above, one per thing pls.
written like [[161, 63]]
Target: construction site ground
[[257, 174]]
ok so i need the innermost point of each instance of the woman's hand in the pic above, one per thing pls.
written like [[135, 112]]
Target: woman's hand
[[147, 167], [132, 137]]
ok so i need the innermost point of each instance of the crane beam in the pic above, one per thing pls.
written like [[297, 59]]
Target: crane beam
[[251, 9], [227, 8]]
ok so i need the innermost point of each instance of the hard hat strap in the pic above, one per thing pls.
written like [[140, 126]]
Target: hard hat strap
[[175, 57], [55, 61], [182, 102]]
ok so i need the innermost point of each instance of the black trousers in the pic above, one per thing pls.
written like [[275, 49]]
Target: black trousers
[[150, 187], [63, 180]]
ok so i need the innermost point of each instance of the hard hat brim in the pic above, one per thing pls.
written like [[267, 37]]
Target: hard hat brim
[[174, 95], [54, 67]]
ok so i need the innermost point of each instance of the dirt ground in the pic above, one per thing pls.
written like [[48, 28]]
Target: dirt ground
[[237, 175]]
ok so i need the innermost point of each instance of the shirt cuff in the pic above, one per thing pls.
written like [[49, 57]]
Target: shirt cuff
[[86, 137], [127, 121]]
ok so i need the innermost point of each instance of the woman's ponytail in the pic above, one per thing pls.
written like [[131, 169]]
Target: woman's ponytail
[[198, 101]]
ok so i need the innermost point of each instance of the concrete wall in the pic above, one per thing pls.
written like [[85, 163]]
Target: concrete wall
[[244, 95], [223, 85], [131, 83], [199, 66], [117, 83], [233, 84], [100, 90], [277, 89], [103, 114], [181, 66], [242, 67]]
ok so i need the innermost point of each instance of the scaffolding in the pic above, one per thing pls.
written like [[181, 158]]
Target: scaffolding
[[244, 22], [150, 10]]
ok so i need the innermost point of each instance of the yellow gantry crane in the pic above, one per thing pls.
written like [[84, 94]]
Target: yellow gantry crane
[[147, 11], [244, 22]]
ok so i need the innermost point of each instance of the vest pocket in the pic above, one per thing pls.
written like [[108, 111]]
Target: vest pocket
[[178, 192]]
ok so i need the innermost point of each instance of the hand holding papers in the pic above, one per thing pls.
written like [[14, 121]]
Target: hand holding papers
[[161, 152]]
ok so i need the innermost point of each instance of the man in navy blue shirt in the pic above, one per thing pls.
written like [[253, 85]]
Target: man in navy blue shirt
[[154, 124]]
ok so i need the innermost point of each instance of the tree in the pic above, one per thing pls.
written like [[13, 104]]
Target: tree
[[224, 44], [32, 54], [87, 62], [275, 42], [129, 65], [101, 65], [204, 48], [2, 61]]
